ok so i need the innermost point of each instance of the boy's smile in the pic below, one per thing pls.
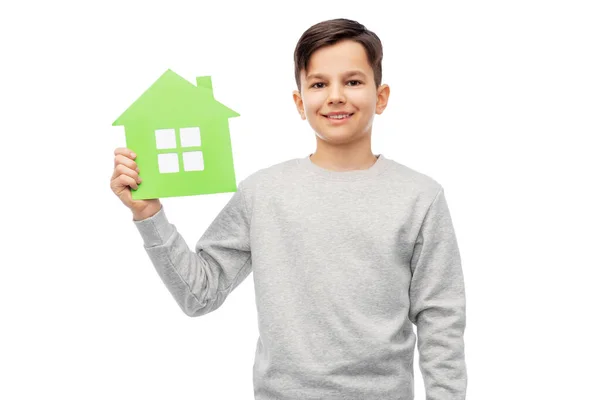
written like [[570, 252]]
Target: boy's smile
[[338, 117], [338, 95]]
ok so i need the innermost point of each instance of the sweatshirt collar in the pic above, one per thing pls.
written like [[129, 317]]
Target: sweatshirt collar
[[358, 174]]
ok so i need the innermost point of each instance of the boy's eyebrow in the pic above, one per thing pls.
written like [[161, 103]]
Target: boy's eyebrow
[[346, 74]]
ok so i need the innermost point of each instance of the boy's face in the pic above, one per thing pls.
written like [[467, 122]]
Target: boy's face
[[339, 80]]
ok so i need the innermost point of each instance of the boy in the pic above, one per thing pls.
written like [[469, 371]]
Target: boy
[[348, 249]]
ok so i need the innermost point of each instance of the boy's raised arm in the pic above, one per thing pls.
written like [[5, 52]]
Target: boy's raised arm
[[438, 307], [201, 280]]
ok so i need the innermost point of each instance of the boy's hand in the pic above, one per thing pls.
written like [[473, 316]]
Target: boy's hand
[[125, 177]]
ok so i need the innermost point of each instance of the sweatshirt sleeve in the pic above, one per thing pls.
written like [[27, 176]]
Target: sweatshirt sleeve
[[201, 280], [437, 305]]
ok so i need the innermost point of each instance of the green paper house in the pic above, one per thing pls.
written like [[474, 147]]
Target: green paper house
[[180, 134]]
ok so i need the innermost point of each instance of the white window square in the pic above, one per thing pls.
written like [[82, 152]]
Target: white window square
[[189, 136], [165, 138], [168, 162], [193, 161]]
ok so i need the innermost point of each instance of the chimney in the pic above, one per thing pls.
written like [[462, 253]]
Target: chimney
[[204, 82]]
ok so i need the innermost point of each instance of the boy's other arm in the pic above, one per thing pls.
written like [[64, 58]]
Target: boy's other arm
[[201, 280], [437, 305]]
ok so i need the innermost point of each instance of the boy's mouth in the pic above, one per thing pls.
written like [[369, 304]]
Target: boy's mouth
[[338, 116]]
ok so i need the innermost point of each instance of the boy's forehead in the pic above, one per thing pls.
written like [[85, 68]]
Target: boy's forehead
[[340, 58]]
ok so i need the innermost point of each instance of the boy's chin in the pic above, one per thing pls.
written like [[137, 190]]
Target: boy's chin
[[337, 136]]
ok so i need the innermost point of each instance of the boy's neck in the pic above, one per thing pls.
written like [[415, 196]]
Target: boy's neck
[[343, 160]]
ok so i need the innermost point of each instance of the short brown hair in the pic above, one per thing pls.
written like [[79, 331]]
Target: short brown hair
[[329, 32]]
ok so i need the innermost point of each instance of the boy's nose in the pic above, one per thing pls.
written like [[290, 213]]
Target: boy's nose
[[336, 95]]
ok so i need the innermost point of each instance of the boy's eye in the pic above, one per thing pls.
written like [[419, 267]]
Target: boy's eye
[[320, 85]]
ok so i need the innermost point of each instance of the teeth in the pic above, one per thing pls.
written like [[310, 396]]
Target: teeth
[[339, 116]]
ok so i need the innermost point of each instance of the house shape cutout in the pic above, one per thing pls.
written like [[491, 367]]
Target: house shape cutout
[[180, 134]]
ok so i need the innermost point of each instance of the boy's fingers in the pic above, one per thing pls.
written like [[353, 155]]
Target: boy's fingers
[[124, 170], [125, 151], [121, 150], [121, 159], [127, 181]]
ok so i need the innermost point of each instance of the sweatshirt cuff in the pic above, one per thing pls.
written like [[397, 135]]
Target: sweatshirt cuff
[[155, 230]]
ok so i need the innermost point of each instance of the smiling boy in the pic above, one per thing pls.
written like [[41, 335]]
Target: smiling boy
[[339, 92], [348, 249]]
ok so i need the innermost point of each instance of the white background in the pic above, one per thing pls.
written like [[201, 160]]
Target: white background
[[498, 101]]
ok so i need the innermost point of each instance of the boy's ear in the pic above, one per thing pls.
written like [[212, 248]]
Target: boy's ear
[[299, 103], [383, 94]]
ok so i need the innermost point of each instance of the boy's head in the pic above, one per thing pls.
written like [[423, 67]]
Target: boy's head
[[338, 71]]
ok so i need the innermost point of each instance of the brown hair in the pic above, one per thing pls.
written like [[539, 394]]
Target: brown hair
[[329, 32]]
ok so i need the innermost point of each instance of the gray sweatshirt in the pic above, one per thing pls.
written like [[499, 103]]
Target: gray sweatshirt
[[344, 262]]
